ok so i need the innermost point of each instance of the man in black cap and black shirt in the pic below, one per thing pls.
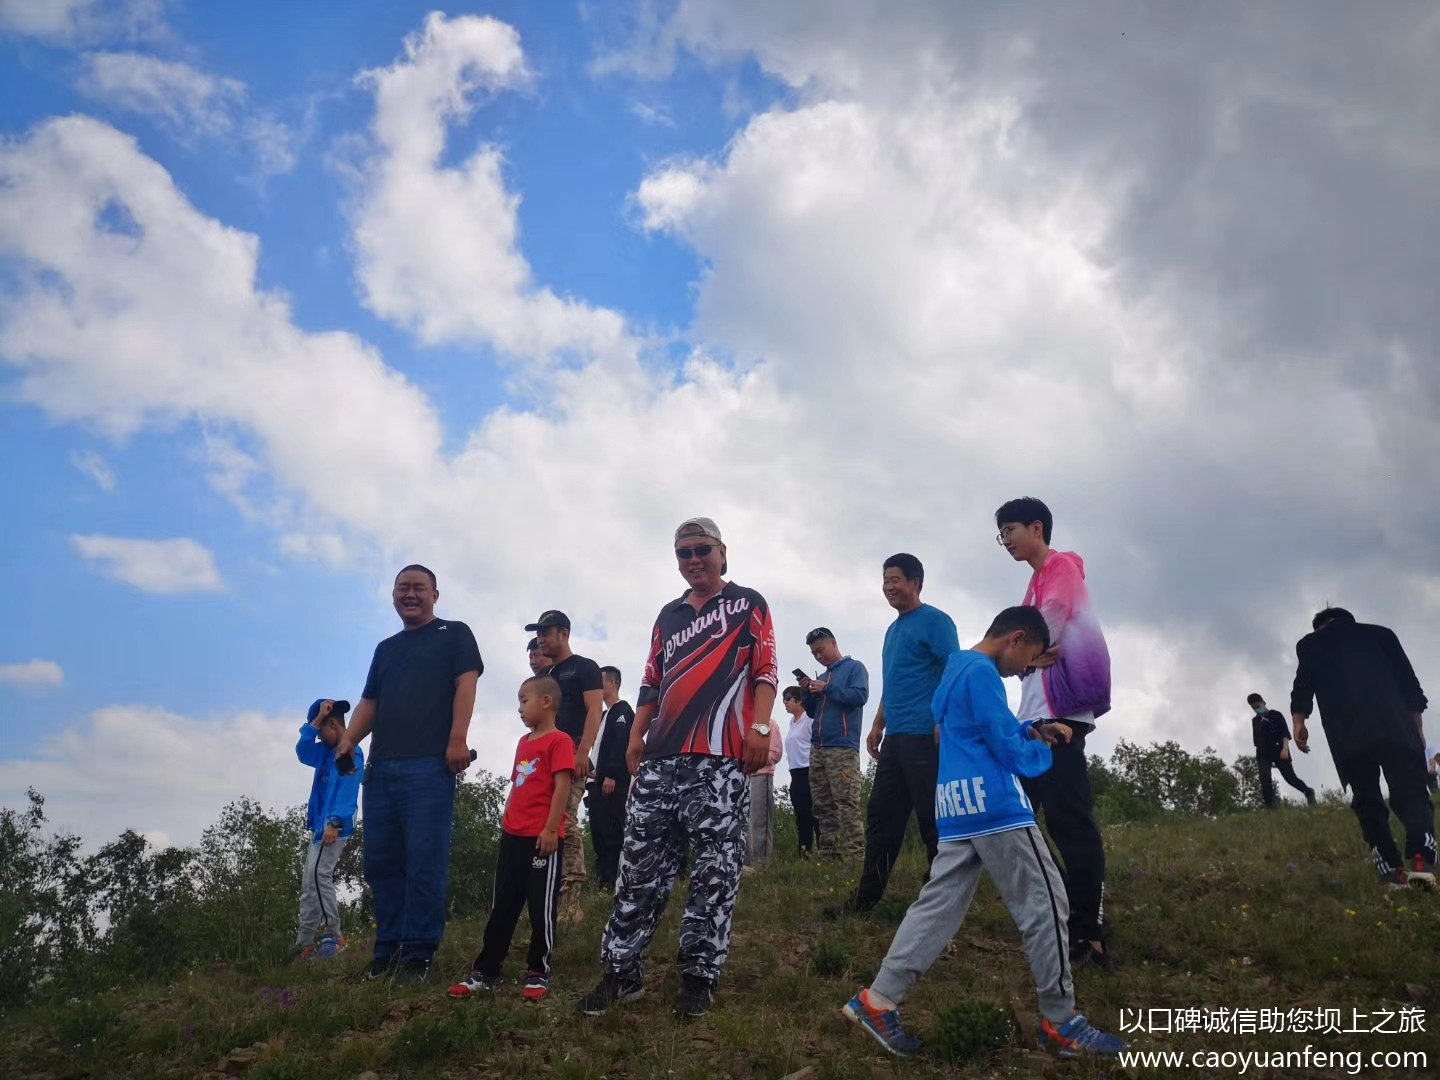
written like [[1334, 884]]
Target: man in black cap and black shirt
[[610, 785], [581, 707], [1272, 751]]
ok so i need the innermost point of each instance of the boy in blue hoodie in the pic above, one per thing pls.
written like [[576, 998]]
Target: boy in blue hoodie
[[330, 817], [985, 822]]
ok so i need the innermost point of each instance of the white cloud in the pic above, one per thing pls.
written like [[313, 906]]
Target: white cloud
[[184, 98], [72, 21], [96, 468], [32, 675], [437, 247], [154, 566]]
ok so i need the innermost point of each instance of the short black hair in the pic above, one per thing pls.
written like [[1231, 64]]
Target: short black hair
[[1022, 617], [534, 645], [544, 684], [819, 634], [427, 571], [612, 671], [908, 565], [793, 693], [1025, 511], [1255, 699], [1326, 615]]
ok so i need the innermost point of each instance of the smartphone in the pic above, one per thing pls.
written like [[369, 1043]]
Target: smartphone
[[800, 675], [345, 764]]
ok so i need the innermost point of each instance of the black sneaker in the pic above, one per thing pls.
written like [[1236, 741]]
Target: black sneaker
[[382, 967], [694, 997], [412, 971], [1083, 954], [613, 990], [849, 907], [1420, 874]]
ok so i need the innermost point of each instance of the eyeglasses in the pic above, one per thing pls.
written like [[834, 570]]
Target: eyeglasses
[[1004, 534], [699, 551]]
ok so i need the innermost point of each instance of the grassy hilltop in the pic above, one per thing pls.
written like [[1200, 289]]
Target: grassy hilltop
[[1247, 910]]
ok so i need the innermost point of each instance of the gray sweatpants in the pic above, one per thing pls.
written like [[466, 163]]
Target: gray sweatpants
[[1022, 869], [318, 908], [760, 829]]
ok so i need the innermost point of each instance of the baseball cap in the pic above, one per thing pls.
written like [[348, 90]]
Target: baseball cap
[[548, 619], [338, 707], [699, 526]]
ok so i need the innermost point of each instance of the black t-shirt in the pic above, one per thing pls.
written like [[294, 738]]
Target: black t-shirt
[[1270, 732], [412, 682], [575, 675]]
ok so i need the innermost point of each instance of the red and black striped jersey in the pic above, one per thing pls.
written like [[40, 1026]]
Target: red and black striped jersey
[[702, 672]]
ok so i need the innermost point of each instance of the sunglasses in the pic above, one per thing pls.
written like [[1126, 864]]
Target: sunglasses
[[699, 551]]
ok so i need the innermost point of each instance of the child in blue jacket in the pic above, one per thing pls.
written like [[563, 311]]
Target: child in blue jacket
[[985, 822], [330, 817]]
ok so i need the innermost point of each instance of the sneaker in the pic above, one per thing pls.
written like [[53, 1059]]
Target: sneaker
[[1422, 874], [1076, 1038], [695, 996], [537, 986], [1084, 954], [382, 967], [477, 983], [412, 972], [883, 1024], [329, 947], [613, 990], [571, 911], [1396, 881], [849, 907]]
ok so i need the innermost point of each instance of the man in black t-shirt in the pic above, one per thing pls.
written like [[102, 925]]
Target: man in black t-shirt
[[416, 705], [1272, 751], [610, 785], [581, 706]]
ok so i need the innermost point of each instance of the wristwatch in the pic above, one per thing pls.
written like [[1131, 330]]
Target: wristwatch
[[761, 729]]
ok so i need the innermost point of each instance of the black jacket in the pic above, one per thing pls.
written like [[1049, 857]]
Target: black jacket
[[1270, 732], [614, 741], [1363, 682]]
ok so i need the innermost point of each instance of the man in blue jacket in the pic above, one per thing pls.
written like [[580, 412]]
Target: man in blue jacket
[[986, 822], [330, 817], [836, 705]]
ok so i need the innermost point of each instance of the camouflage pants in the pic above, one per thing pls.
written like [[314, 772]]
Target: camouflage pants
[[835, 791], [693, 801], [572, 851]]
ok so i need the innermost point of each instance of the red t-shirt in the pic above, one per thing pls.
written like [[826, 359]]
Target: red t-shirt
[[533, 779]]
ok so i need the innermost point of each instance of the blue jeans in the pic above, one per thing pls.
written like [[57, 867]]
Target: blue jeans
[[409, 811]]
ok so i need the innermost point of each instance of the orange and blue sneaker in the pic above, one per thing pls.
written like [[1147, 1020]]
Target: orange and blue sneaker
[[1076, 1038], [884, 1024]]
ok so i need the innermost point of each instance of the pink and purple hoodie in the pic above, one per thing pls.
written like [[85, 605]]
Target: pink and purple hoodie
[[1077, 686]]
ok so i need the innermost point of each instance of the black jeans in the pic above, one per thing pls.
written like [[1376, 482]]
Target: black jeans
[[904, 783], [607, 828], [1404, 770], [523, 878], [1267, 780], [805, 824], [1064, 795]]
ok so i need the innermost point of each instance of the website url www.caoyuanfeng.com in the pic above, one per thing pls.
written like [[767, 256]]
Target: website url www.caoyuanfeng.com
[[1239, 1061]]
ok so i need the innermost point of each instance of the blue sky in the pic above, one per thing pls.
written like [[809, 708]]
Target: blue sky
[[844, 279]]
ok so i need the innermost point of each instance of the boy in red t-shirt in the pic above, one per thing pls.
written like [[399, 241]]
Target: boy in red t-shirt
[[527, 870]]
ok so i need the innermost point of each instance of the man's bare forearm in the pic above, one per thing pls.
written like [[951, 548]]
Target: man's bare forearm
[[362, 721], [464, 706]]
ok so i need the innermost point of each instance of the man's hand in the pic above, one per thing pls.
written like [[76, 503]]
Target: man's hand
[[757, 751], [1302, 736], [1047, 658], [346, 745], [331, 835], [608, 787], [1053, 732], [321, 715], [582, 762], [872, 741], [1285, 753], [548, 841], [635, 752], [815, 686], [457, 755]]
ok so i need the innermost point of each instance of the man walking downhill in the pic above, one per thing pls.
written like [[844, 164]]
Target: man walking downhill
[[1372, 710], [836, 704], [917, 646], [705, 705], [1272, 751], [1071, 682], [581, 707], [610, 786], [417, 703]]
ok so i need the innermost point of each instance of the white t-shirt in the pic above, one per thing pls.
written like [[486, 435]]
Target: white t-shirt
[[797, 742]]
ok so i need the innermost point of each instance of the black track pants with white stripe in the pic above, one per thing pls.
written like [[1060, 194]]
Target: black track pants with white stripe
[[523, 877], [1029, 882]]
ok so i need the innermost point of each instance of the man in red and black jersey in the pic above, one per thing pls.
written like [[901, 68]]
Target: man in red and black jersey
[[702, 724]]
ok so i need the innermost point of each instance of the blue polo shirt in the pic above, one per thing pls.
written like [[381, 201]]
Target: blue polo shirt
[[918, 644]]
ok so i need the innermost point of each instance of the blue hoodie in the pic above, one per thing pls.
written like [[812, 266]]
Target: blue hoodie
[[982, 747], [331, 795], [839, 712]]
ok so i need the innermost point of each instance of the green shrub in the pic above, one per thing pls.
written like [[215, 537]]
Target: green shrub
[[830, 957], [973, 1029]]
